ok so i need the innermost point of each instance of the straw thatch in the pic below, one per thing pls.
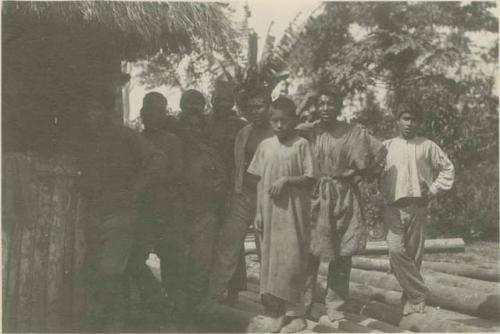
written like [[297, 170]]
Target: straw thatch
[[149, 26]]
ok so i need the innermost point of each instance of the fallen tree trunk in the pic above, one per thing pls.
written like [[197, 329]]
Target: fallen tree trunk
[[434, 320], [387, 308], [444, 320], [430, 276], [454, 245], [462, 300], [479, 273]]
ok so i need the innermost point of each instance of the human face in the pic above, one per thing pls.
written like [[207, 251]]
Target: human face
[[154, 118], [194, 106], [194, 126], [222, 105], [257, 111], [282, 123], [328, 108], [407, 125]]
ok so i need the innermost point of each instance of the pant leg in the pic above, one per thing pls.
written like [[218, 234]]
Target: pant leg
[[116, 234], [238, 281], [173, 250], [311, 280], [405, 241], [149, 288], [174, 265], [231, 238], [201, 241], [339, 273], [294, 310]]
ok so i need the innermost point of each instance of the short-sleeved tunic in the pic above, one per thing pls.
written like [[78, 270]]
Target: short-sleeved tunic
[[344, 157], [286, 231]]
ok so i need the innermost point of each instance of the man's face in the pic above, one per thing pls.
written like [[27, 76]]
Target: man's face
[[257, 110], [153, 118], [194, 125], [407, 125], [328, 108], [193, 105], [223, 104]]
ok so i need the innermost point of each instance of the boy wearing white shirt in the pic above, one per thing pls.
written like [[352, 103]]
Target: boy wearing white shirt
[[416, 170]]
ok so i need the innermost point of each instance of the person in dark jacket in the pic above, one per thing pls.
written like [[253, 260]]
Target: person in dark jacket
[[119, 168]]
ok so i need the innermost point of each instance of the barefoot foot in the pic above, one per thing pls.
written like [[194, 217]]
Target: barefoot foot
[[334, 315], [278, 324], [295, 325]]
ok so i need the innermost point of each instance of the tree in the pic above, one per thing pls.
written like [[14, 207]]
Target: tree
[[421, 54]]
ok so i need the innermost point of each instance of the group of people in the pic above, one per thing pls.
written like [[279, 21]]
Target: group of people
[[190, 187]]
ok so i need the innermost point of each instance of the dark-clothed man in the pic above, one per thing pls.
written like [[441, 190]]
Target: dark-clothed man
[[119, 168], [222, 125], [162, 208], [242, 207]]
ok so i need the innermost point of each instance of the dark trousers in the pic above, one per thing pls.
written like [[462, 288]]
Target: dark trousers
[[337, 284], [110, 242]]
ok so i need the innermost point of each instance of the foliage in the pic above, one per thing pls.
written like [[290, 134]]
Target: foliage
[[421, 55]]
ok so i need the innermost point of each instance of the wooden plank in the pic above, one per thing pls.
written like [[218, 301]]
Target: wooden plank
[[25, 276], [41, 254], [55, 300], [70, 200], [14, 215], [80, 293]]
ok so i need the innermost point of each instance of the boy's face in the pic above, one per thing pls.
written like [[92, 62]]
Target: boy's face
[[281, 122], [223, 104], [408, 125], [257, 110], [329, 109]]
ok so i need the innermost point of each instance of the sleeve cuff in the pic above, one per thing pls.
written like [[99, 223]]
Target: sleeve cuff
[[433, 189]]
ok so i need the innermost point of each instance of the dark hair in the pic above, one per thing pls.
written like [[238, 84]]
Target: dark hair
[[285, 104], [415, 111], [191, 94], [152, 98], [244, 95], [337, 95]]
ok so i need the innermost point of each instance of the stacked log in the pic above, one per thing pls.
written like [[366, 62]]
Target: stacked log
[[484, 273], [387, 308], [476, 303], [380, 247]]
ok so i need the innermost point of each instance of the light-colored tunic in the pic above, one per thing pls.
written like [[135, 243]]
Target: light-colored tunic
[[411, 163], [286, 231]]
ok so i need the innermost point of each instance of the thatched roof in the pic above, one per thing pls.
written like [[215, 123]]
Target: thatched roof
[[149, 26]]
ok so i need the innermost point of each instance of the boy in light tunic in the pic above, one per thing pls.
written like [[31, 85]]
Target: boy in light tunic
[[286, 169], [416, 170]]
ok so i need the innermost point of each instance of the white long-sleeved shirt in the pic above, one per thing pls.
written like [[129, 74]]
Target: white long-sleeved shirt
[[409, 163]]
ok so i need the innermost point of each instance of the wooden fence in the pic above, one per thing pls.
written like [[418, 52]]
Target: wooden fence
[[43, 244]]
